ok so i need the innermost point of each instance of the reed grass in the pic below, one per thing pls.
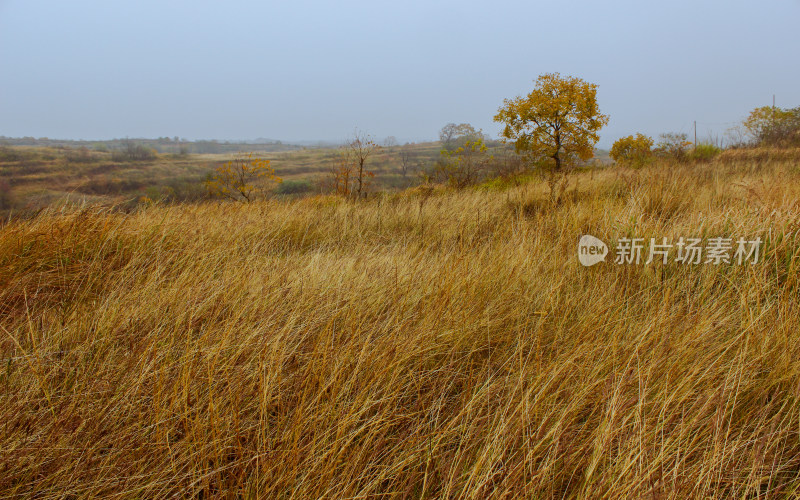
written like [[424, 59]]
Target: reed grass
[[441, 344]]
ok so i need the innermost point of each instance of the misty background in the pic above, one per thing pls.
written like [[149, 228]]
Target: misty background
[[303, 70]]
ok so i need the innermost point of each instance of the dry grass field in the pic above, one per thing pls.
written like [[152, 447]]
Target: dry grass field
[[34, 177], [420, 344]]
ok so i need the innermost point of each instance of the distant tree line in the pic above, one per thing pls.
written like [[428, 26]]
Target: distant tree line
[[162, 145]]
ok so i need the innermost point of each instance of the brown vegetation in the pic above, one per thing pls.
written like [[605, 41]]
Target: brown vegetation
[[428, 344]]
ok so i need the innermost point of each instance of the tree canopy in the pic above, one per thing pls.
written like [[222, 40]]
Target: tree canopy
[[770, 126], [453, 136], [559, 119], [632, 150]]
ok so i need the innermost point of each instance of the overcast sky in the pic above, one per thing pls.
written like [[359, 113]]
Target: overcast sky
[[312, 70]]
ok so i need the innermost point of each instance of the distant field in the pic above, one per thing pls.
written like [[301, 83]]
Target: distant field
[[36, 176], [44, 176]]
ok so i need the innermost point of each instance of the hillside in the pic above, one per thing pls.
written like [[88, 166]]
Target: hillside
[[36, 177], [33, 177], [420, 344]]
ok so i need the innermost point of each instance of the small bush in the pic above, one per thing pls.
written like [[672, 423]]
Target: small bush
[[705, 152], [134, 152], [81, 155], [464, 166], [632, 151], [673, 146]]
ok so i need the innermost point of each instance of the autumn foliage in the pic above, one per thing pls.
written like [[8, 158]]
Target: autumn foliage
[[243, 178], [559, 120], [435, 343], [465, 165], [634, 151], [771, 126]]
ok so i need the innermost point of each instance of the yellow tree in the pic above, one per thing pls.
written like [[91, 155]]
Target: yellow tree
[[466, 165], [770, 126], [243, 178], [634, 151], [559, 119]]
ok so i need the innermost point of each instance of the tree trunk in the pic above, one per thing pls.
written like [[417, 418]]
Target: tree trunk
[[557, 155], [360, 175]]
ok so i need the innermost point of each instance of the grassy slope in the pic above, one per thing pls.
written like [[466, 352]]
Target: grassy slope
[[442, 346]]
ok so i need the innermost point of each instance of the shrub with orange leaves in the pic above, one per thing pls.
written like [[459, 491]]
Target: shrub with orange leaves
[[632, 151], [244, 178]]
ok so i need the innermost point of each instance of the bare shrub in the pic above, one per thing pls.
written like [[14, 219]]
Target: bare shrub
[[133, 152]]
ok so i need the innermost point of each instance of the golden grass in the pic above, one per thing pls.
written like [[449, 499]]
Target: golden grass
[[46, 177], [760, 155], [419, 345]]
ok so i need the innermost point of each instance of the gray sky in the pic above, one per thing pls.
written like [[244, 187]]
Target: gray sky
[[312, 70]]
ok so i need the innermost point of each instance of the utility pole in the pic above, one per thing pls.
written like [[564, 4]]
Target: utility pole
[[695, 135]]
